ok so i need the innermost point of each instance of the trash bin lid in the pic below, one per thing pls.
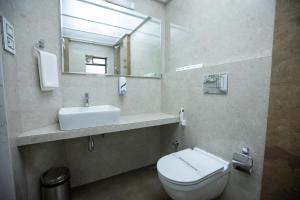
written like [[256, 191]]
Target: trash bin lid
[[55, 176]]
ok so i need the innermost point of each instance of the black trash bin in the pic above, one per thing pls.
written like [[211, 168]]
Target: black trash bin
[[55, 184]]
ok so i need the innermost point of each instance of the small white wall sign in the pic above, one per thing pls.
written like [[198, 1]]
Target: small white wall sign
[[8, 36]]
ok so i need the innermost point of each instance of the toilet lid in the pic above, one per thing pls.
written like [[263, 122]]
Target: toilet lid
[[189, 166]]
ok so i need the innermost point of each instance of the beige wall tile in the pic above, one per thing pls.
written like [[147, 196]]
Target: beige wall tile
[[234, 37], [29, 108]]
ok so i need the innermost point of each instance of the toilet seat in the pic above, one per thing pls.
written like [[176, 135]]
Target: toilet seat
[[189, 167]]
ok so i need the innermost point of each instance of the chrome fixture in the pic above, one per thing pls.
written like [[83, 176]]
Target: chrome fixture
[[91, 144], [176, 144], [41, 44], [246, 151], [122, 86], [86, 100], [215, 83], [243, 161]]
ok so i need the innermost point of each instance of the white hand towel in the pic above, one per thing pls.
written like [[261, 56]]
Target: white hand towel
[[48, 70]]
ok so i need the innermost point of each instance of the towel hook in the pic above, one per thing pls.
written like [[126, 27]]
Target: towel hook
[[41, 44]]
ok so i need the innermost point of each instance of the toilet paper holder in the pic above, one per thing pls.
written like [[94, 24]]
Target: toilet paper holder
[[243, 161]]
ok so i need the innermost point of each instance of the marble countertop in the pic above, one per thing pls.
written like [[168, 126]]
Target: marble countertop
[[129, 122]]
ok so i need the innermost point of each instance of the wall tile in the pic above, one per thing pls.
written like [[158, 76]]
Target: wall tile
[[138, 99], [207, 33], [29, 108], [234, 37], [224, 124]]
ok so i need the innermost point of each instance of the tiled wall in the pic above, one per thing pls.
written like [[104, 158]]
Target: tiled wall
[[228, 36], [12, 105], [7, 190], [36, 20], [282, 157], [231, 36], [29, 108]]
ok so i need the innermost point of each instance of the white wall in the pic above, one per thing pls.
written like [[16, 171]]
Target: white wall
[[226, 36]]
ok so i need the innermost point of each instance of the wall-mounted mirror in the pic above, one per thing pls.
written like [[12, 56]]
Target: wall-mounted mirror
[[99, 37]]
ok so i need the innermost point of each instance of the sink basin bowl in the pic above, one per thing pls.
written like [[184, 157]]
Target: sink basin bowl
[[86, 117]]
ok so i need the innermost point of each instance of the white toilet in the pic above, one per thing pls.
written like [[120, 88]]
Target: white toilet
[[193, 174]]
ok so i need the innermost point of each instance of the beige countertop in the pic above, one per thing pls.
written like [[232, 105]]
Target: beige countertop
[[129, 122]]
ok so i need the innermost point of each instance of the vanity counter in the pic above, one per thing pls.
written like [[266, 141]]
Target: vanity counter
[[129, 122]]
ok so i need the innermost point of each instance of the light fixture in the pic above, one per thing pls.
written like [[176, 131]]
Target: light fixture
[[123, 3], [164, 1]]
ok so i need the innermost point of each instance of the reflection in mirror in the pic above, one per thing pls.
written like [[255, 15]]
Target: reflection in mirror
[[104, 38]]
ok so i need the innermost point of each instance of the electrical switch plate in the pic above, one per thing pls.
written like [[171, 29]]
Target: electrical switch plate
[[8, 36]]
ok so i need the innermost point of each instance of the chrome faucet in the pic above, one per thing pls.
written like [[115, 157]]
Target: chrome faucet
[[86, 100]]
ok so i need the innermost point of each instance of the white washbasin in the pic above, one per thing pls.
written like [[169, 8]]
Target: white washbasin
[[86, 117]]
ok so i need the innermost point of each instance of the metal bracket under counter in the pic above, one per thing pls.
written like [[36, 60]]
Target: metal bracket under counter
[[129, 122]]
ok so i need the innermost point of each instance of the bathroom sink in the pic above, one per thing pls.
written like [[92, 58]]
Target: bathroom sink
[[86, 117]]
